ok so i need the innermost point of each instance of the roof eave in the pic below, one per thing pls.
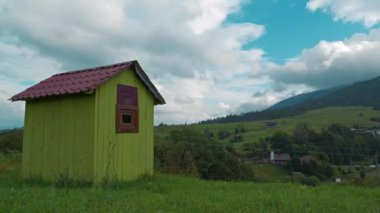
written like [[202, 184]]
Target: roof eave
[[159, 100]]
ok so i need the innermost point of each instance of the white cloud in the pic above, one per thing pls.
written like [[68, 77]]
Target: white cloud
[[21, 63], [224, 106], [102, 31], [11, 114], [211, 13], [196, 60], [317, 4], [333, 63], [199, 98], [366, 12]]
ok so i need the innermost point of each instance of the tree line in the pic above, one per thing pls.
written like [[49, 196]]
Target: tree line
[[342, 145], [189, 152]]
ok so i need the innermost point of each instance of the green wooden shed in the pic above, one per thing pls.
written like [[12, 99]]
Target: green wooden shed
[[90, 125]]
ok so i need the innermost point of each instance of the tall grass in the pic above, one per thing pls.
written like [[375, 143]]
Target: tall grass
[[162, 193]]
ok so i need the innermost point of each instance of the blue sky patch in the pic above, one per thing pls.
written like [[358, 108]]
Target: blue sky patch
[[290, 27]]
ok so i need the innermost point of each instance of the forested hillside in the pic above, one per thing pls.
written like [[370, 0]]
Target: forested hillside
[[365, 93]]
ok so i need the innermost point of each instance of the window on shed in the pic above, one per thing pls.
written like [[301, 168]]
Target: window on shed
[[126, 109], [126, 118]]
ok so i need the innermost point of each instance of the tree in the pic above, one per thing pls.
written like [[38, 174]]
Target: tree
[[223, 134], [281, 141], [11, 139], [190, 152], [295, 164]]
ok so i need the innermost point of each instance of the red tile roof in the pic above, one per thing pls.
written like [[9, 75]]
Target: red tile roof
[[84, 80]]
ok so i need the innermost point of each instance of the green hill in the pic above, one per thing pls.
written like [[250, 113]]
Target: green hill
[[365, 93], [298, 99], [317, 119]]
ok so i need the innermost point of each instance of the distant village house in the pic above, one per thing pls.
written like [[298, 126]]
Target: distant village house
[[279, 159]]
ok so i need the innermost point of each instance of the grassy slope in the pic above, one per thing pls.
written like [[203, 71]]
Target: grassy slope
[[172, 194], [317, 119], [342, 115]]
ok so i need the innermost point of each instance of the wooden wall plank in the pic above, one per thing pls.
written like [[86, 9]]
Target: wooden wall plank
[[55, 140], [38, 140]]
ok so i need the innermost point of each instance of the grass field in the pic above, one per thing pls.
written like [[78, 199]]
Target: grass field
[[271, 173], [162, 193], [316, 119]]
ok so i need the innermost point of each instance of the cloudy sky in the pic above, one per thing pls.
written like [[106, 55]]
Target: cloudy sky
[[207, 57]]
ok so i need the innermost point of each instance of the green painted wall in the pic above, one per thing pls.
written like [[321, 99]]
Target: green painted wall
[[59, 138], [122, 156]]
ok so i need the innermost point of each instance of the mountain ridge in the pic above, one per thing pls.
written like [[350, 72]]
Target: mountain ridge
[[303, 97], [361, 93]]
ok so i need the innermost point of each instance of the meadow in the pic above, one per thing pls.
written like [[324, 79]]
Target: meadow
[[170, 193], [316, 119], [273, 190], [165, 193]]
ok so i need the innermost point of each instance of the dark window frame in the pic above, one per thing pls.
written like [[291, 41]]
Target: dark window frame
[[122, 127]]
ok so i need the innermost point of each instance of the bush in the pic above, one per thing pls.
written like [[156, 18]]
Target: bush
[[11, 156], [311, 181], [315, 167], [368, 181], [237, 138], [188, 152], [295, 164], [11, 139], [223, 135], [239, 129], [174, 158], [375, 119], [298, 177]]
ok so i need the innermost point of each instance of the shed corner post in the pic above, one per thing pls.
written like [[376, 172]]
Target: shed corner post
[[96, 179]]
